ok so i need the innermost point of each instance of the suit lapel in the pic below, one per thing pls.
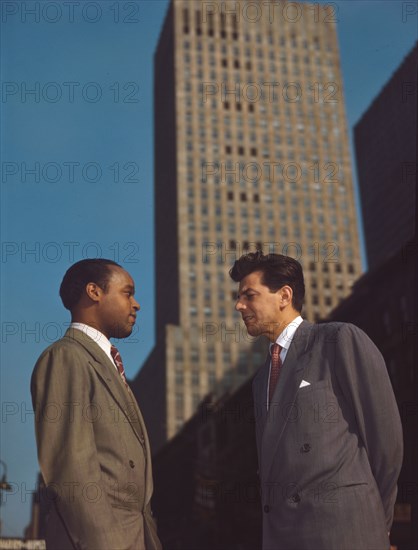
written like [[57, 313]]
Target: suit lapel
[[282, 406], [260, 390], [112, 380]]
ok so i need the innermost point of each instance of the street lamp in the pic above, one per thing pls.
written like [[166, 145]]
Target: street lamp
[[4, 485]]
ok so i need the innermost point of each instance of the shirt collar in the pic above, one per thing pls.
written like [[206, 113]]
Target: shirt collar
[[286, 336], [95, 335]]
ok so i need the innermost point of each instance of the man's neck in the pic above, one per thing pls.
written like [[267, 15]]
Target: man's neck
[[284, 323]]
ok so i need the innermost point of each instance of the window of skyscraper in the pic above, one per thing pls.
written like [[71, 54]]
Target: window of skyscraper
[[195, 377], [179, 376]]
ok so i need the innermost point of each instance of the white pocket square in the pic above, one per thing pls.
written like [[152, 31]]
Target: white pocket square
[[304, 383]]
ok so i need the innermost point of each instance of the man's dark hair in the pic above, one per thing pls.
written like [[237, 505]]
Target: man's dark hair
[[78, 275], [277, 270]]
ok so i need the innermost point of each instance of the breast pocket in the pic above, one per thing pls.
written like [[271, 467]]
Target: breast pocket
[[318, 407], [315, 386]]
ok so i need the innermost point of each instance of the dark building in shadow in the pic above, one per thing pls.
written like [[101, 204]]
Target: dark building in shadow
[[386, 152], [206, 493], [383, 304], [384, 300]]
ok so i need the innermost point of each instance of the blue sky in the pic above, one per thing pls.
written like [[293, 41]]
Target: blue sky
[[87, 130]]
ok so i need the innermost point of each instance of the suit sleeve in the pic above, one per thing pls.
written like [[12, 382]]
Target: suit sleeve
[[364, 379], [62, 398]]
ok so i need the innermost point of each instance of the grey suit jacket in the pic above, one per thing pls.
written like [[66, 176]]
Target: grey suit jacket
[[93, 450], [329, 452]]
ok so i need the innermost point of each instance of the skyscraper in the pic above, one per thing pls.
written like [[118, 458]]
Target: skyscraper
[[251, 151], [386, 151]]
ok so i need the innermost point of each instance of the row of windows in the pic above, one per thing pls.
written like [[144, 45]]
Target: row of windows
[[209, 356], [283, 199], [321, 207], [284, 57], [323, 232], [200, 24], [243, 197], [207, 311], [292, 111], [199, 179], [314, 300], [289, 115], [282, 233], [225, 259], [278, 137], [208, 296], [324, 147], [273, 233], [267, 152], [238, 63], [241, 151], [304, 120], [295, 215]]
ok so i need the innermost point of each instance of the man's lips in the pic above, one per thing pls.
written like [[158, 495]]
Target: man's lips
[[247, 318]]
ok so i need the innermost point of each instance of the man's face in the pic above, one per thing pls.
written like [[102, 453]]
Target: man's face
[[259, 307], [117, 306]]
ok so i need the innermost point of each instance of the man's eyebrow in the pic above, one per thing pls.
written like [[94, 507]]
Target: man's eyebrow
[[129, 287], [245, 291]]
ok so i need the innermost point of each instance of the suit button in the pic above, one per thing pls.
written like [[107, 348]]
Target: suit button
[[305, 448], [295, 498], [132, 464], [266, 508]]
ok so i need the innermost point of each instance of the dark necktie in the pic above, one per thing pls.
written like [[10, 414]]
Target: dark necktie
[[114, 352], [276, 365]]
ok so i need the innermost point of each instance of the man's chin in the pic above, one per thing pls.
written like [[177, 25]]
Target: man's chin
[[123, 332], [253, 329]]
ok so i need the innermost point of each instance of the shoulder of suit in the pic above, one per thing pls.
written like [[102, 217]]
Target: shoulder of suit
[[334, 330], [66, 344]]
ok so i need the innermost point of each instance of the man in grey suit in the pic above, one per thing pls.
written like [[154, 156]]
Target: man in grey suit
[[328, 431], [93, 447]]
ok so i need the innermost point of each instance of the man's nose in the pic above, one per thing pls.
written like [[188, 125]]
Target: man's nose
[[136, 305], [239, 306]]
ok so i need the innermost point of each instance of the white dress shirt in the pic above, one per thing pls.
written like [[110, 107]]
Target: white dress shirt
[[97, 336], [284, 340]]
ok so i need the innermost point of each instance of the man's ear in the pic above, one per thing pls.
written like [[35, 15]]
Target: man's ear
[[93, 291], [286, 295]]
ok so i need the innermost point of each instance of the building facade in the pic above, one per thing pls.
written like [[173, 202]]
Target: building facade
[[216, 474], [251, 152], [386, 151], [384, 304]]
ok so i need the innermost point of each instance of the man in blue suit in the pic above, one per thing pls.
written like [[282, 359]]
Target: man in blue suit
[[328, 430]]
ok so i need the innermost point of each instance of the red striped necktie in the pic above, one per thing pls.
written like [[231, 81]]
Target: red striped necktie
[[276, 365], [114, 352]]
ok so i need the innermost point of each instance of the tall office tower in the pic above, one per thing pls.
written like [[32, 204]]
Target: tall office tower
[[386, 152], [251, 151]]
